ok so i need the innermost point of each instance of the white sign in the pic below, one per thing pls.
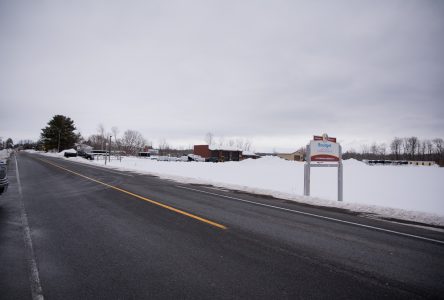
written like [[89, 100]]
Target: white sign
[[324, 151]]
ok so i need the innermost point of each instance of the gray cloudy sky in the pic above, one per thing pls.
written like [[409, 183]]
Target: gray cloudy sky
[[275, 72]]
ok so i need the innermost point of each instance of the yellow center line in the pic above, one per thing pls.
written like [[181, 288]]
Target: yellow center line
[[140, 197]]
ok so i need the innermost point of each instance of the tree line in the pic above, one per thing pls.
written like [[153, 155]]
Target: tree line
[[60, 134], [239, 143], [402, 148], [6, 144], [130, 143]]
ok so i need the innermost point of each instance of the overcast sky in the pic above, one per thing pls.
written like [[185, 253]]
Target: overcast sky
[[275, 72]]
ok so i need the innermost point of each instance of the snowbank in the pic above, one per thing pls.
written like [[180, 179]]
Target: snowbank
[[5, 153], [62, 153], [405, 192]]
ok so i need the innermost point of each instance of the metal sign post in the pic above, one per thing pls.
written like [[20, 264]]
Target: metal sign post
[[323, 150], [340, 176]]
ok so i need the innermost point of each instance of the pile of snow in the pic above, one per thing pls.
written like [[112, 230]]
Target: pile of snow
[[404, 192], [5, 153], [72, 151]]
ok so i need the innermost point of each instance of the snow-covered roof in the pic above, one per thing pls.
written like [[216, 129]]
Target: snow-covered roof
[[224, 148]]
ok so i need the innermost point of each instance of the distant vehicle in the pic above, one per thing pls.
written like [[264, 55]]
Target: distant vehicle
[[3, 177], [194, 157], [167, 158], [85, 155], [70, 154], [212, 159]]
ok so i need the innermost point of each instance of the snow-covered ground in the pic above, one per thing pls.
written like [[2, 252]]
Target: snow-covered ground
[[412, 193], [5, 153]]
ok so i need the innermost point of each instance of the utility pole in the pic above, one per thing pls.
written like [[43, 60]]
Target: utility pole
[[109, 154], [58, 148]]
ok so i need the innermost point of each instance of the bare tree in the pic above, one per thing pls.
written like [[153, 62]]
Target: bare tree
[[115, 132], [412, 143], [209, 138], [377, 151], [101, 134], [439, 150], [365, 149], [240, 143], [101, 129], [247, 145], [132, 142], [382, 149], [374, 150], [163, 146], [405, 147], [95, 141], [429, 146], [395, 147], [439, 145], [243, 144], [422, 149]]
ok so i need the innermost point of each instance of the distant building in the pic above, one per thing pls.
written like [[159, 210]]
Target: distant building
[[297, 156], [223, 153], [399, 162], [421, 163]]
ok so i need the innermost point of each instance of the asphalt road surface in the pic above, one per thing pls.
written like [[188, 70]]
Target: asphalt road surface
[[70, 231]]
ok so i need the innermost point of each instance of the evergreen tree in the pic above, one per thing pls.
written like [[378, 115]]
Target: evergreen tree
[[9, 143], [59, 133]]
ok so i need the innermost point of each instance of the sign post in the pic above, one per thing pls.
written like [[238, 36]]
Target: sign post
[[325, 152]]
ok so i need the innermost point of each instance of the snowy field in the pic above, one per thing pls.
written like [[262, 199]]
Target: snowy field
[[404, 192]]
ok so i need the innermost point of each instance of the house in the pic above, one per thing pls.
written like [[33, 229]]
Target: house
[[297, 156], [221, 153]]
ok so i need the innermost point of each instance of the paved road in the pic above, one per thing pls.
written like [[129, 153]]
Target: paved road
[[70, 231]]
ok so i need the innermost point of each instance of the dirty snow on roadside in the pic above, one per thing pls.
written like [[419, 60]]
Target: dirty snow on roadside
[[411, 193], [5, 153]]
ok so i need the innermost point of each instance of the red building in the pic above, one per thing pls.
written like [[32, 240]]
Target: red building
[[220, 153]]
